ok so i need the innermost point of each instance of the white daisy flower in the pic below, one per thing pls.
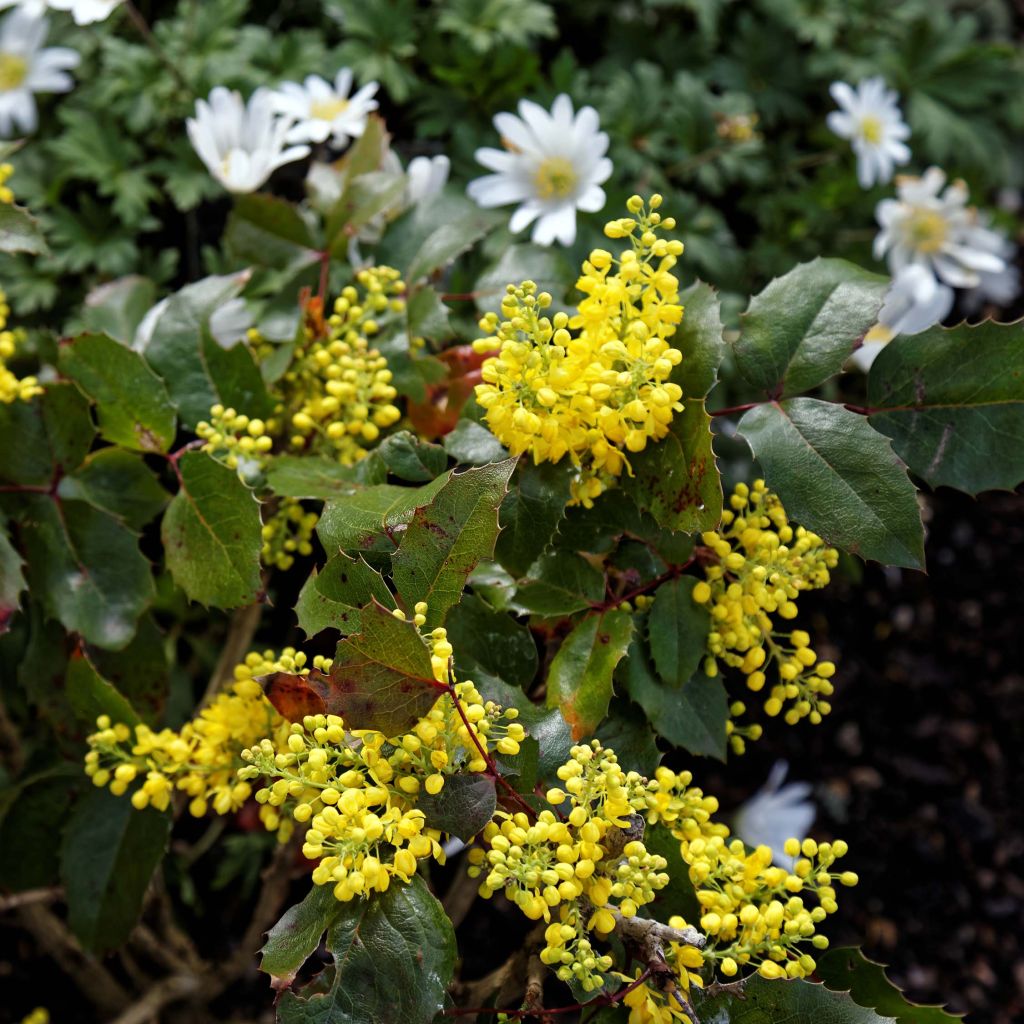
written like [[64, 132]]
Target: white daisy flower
[[425, 177], [553, 164], [933, 228], [25, 69], [775, 813], [1001, 287], [83, 11], [914, 302], [870, 118], [241, 144], [321, 110]]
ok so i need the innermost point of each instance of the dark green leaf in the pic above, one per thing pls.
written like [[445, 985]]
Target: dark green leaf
[[19, 231], [546, 267], [678, 630], [212, 534], [12, 581], [473, 445], [198, 372], [118, 482], [29, 855], [109, 854], [580, 677], [428, 316], [269, 232], [409, 458], [117, 307], [493, 640], [848, 970], [627, 732], [90, 695], [331, 598], [953, 403], [531, 512], [800, 330], [692, 716], [699, 338], [465, 804], [87, 570], [295, 938], [394, 956], [366, 196], [838, 476], [678, 897], [140, 670], [445, 539], [131, 400], [306, 476], [559, 584]]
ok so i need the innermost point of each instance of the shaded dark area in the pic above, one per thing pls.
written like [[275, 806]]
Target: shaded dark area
[[919, 766]]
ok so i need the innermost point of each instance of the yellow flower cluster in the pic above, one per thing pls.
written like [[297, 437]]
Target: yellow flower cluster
[[288, 532], [357, 789], [650, 1005], [6, 193], [40, 1015], [576, 870], [12, 388], [594, 386], [236, 440], [761, 564], [202, 758]]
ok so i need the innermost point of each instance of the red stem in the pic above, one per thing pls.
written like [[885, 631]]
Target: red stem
[[325, 266], [670, 574], [732, 409]]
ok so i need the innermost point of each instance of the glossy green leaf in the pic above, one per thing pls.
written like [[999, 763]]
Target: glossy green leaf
[[836, 475], [473, 445], [699, 338], [12, 581], [110, 851], [365, 197], [307, 476], [132, 404], [446, 539], [677, 628], [580, 677], [198, 372], [678, 897], [560, 583], [493, 640], [848, 970], [29, 856], [139, 671], [362, 520], [212, 534], [117, 307], [409, 458], [269, 232], [90, 695], [119, 482], [332, 597], [296, 937], [523, 261], [953, 403], [19, 231], [394, 957], [692, 716], [531, 512], [427, 316], [464, 806], [800, 330], [627, 732], [86, 568]]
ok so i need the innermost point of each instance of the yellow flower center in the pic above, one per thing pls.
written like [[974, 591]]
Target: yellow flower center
[[13, 70], [871, 129], [555, 178], [327, 110], [927, 230]]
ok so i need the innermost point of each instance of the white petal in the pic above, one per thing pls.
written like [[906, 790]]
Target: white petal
[[524, 216], [557, 225], [843, 95]]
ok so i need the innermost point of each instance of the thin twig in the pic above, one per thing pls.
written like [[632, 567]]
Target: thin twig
[[23, 899], [244, 623], [169, 990]]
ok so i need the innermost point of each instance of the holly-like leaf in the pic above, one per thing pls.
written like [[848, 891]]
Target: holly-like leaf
[[116, 308], [409, 458], [54, 432], [492, 640], [198, 372], [212, 534], [118, 482], [86, 568], [676, 479], [836, 475], [952, 400], [90, 695], [678, 897], [447, 538], [394, 956], [700, 339], [139, 671], [19, 231], [800, 330], [381, 678], [132, 404], [627, 732], [848, 970], [580, 677], [464, 806], [546, 267], [109, 854], [12, 581], [296, 937], [306, 476], [427, 316], [269, 232], [332, 597], [678, 630], [363, 520], [531, 512], [473, 445], [692, 716], [560, 583], [757, 1001]]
